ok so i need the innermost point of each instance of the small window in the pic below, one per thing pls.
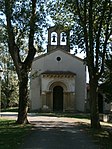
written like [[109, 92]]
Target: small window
[[58, 58]]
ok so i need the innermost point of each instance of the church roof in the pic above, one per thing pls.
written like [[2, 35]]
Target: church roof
[[48, 53], [59, 72]]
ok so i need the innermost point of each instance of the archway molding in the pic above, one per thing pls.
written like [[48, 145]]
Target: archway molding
[[57, 83]]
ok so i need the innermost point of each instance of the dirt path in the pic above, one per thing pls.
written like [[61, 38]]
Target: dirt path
[[57, 133]]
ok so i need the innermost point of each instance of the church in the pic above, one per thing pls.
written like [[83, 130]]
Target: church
[[58, 78]]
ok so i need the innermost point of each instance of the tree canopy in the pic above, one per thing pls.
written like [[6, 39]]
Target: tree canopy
[[106, 85], [23, 22]]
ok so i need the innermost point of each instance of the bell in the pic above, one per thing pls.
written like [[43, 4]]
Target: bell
[[54, 38], [63, 38]]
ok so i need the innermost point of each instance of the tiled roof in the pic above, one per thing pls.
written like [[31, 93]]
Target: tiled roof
[[59, 72]]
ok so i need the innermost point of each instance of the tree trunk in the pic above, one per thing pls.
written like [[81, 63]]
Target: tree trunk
[[23, 98], [95, 122]]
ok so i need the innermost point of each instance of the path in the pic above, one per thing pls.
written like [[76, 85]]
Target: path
[[57, 133]]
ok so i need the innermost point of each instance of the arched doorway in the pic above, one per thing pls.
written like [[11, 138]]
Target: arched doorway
[[58, 98]]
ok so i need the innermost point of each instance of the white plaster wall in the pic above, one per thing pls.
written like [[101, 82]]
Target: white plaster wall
[[69, 83], [67, 63], [35, 93]]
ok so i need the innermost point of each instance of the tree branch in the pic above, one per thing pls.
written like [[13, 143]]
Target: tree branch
[[107, 35], [78, 10], [32, 49], [90, 40], [13, 49], [98, 35], [91, 27], [85, 27]]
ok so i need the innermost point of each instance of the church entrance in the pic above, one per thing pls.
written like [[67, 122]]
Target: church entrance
[[58, 98], [100, 103]]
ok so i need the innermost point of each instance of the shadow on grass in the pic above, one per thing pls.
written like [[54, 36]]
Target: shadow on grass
[[102, 137], [11, 134]]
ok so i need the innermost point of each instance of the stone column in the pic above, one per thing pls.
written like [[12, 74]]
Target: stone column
[[52, 100], [49, 100], [69, 102], [65, 101], [43, 98], [72, 102]]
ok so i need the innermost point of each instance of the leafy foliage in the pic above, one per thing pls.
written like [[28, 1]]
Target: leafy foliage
[[20, 19], [11, 134], [10, 92], [106, 86], [24, 23], [59, 14], [9, 86], [92, 30], [75, 14]]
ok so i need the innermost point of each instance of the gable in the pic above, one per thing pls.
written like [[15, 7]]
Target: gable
[[53, 51], [59, 60]]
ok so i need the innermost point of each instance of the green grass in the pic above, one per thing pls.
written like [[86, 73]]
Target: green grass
[[11, 134], [69, 115], [11, 109]]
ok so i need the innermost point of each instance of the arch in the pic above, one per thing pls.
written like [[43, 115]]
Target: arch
[[57, 83], [53, 38]]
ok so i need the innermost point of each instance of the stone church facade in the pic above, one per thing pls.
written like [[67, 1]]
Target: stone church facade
[[58, 78]]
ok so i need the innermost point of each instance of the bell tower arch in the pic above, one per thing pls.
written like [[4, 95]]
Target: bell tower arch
[[58, 38]]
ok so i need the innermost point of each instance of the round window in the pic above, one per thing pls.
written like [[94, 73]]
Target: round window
[[58, 58]]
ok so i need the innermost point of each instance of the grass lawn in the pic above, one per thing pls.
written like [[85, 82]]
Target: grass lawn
[[11, 134], [69, 115], [11, 109]]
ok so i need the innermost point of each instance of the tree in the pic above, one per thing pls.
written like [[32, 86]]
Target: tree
[[9, 85], [24, 25], [106, 85], [92, 28]]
